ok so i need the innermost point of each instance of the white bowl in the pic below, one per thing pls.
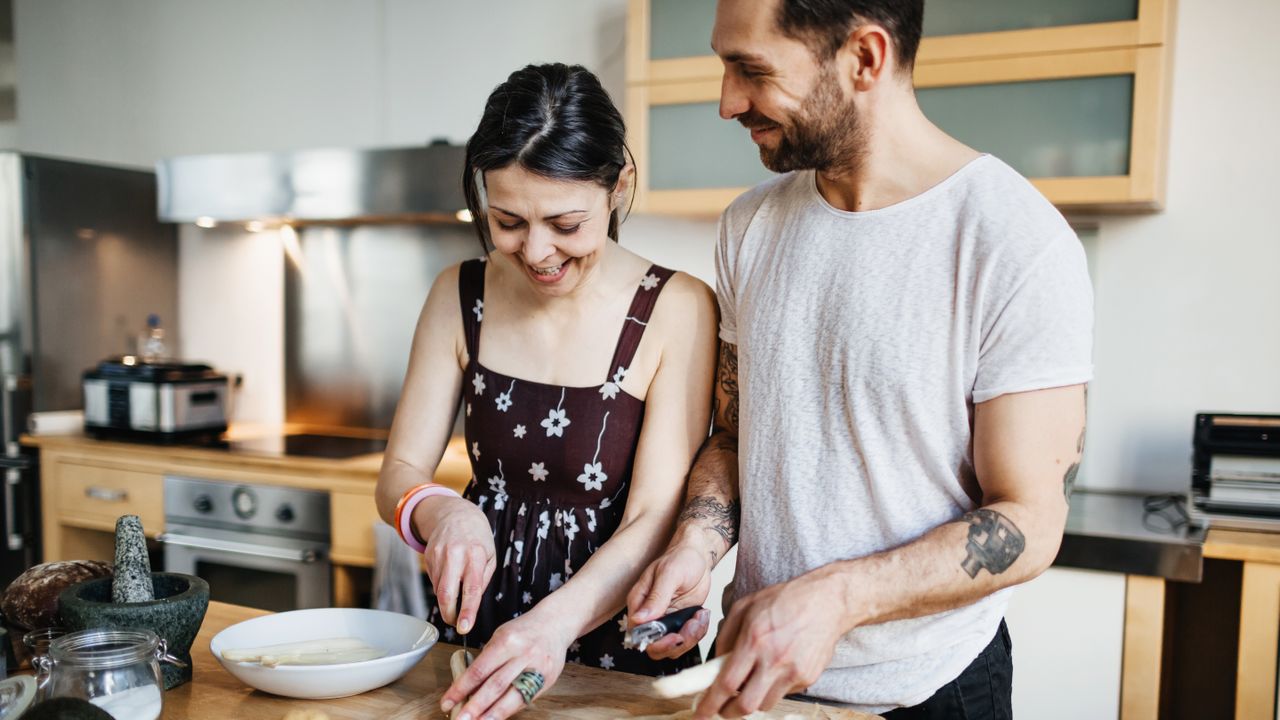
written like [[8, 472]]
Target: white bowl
[[405, 638]]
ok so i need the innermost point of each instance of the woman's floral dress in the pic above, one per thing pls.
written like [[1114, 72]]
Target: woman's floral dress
[[551, 467]]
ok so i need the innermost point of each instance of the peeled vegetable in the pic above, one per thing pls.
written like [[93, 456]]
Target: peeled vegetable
[[330, 651], [458, 663], [691, 681]]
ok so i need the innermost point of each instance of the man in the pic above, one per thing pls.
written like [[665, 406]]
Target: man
[[906, 329]]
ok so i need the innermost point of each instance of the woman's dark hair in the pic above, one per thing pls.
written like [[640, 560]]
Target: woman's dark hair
[[554, 120]]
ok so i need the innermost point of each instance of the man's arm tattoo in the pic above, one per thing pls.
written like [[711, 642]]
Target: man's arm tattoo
[[1069, 479], [994, 542], [727, 376], [723, 518]]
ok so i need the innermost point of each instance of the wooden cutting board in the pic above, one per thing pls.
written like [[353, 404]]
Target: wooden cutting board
[[582, 692]]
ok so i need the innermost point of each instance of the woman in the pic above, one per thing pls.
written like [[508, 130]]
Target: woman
[[585, 376]]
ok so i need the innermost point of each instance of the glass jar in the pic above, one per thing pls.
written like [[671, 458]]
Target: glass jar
[[117, 670]]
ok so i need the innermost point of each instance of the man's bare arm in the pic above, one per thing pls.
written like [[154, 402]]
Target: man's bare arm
[[712, 507], [1027, 450]]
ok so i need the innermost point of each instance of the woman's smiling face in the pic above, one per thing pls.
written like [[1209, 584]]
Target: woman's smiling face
[[553, 231]]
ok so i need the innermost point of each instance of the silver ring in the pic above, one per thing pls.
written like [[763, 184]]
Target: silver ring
[[528, 683]]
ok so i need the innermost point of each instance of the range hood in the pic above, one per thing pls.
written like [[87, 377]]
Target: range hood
[[388, 185]]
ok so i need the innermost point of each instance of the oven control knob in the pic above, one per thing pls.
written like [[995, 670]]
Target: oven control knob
[[204, 504], [284, 514]]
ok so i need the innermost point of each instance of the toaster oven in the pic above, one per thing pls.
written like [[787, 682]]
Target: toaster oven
[[127, 398]]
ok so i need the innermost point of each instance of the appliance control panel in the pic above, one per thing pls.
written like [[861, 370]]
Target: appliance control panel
[[239, 506]]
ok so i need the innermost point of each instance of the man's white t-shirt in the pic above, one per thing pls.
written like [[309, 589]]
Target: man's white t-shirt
[[864, 340]]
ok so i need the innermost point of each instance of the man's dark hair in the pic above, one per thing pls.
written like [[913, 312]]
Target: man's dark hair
[[554, 120], [826, 24]]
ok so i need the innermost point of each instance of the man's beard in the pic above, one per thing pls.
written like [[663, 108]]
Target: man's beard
[[824, 134]]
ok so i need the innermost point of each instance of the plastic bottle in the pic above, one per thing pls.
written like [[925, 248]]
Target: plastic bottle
[[152, 346]]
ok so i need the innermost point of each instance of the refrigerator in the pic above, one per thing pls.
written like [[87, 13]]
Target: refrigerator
[[83, 261]]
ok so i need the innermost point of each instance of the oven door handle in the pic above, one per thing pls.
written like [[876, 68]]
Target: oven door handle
[[239, 548]]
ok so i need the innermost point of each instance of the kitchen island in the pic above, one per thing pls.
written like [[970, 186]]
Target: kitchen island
[[582, 692]]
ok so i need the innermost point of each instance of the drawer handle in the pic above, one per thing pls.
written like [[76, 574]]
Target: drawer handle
[[94, 492]]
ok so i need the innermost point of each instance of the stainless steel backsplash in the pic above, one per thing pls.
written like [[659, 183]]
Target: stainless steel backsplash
[[352, 299]]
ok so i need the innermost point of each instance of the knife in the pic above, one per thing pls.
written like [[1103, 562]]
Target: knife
[[639, 637]]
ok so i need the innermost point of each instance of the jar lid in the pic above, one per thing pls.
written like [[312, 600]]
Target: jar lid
[[100, 648]]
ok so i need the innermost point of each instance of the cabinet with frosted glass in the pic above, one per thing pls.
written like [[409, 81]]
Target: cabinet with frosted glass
[[1074, 95]]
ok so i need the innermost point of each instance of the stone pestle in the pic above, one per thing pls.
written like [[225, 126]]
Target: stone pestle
[[132, 582]]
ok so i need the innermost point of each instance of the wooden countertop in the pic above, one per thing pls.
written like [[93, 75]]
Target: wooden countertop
[[582, 692], [1243, 545], [354, 474]]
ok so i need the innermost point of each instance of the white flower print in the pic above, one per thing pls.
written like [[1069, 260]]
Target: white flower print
[[544, 524], [556, 581], [519, 431], [555, 423], [480, 501], [570, 525], [449, 634], [475, 449], [605, 503], [468, 409], [622, 624], [519, 546], [592, 477], [606, 661], [538, 471], [498, 484], [522, 510], [575, 647], [504, 399], [619, 376], [479, 308], [609, 390], [649, 281], [556, 420], [526, 598], [591, 520], [478, 383]]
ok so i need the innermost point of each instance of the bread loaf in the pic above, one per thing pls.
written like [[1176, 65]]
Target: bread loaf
[[31, 601]]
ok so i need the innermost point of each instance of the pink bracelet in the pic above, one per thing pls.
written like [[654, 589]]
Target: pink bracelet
[[404, 511]]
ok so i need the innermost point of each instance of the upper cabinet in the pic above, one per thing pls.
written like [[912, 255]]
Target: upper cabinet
[[1074, 95]]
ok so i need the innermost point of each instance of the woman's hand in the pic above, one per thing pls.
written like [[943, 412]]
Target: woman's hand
[[529, 642], [460, 556]]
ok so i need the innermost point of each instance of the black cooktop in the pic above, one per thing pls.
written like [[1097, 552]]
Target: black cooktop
[[333, 447]]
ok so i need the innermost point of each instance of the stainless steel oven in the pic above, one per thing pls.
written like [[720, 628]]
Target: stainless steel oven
[[262, 546]]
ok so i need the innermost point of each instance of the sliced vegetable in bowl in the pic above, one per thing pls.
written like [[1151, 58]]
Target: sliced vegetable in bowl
[[320, 658]]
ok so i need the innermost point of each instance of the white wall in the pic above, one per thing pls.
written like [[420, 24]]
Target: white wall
[[1186, 298]]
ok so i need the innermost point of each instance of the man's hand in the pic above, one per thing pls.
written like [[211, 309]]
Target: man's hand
[[780, 640], [678, 579]]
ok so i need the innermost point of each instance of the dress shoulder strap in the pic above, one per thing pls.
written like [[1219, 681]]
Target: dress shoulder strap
[[638, 319], [471, 300]]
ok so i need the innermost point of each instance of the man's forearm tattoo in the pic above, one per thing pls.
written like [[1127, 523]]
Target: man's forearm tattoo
[[994, 542], [720, 517], [727, 376]]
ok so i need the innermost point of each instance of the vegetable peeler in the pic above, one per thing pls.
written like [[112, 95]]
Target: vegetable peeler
[[639, 637]]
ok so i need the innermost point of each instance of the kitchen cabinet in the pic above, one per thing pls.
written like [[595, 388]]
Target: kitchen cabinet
[[86, 484], [1067, 627], [1073, 95]]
